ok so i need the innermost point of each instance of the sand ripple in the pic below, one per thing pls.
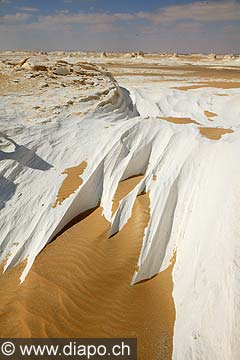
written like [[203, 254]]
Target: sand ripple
[[79, 286]]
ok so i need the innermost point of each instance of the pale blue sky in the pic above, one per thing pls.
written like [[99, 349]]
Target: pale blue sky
[[167, 25]]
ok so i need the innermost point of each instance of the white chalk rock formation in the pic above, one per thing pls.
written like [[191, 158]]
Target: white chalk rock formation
[[192, 182], [130, 55], [140, 54], [212, 56], [229, 57]]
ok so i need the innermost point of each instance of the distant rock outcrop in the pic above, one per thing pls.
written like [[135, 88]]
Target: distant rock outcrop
[[140, 54], [229, 57], [212, 56]]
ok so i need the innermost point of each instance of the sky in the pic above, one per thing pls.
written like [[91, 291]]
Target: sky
[[181, 26]]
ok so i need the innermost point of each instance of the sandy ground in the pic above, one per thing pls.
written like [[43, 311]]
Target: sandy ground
[[208, 132], [8, 84], [180, 121], [215, 84], [70, 183], [214, 133], [209, 114], [204, 76], [189, 70], [89, 291]]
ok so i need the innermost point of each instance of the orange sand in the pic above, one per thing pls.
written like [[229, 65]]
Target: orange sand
[[125, 187], [204, 72], [79, 286], [214, 133], [180, 121], [71, 183], [209, 114], [215, 84]]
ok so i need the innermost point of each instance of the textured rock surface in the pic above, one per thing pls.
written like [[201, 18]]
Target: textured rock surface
[[192, 176]]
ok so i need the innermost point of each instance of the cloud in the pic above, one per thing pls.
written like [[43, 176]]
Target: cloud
[[98, 22], [63, 17], [9, 19], [27, 8], [189, 27], [195, 12], [170, 27], [204, 11], [103, 28]]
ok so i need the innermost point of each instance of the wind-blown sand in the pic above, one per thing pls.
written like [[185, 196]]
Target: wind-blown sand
[[209, 114], [71, 183], [214, 133], [180, 120], [216, 84], [88, 287]]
